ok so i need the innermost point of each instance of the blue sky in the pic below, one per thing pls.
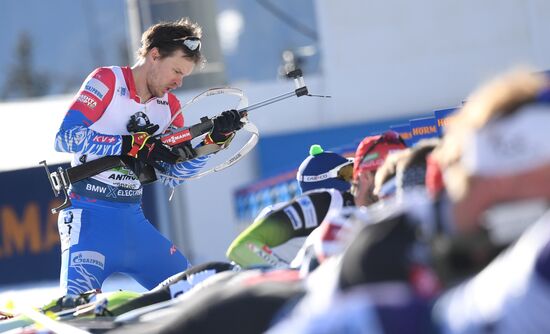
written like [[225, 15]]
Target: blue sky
[[70, 37]]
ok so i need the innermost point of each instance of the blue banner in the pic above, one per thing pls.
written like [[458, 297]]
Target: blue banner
[[250, 200], [29, 243], [404, 131], [441, 117], [422, 128]]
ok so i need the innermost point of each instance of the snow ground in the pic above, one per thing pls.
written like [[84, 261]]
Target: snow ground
[[37, 294]]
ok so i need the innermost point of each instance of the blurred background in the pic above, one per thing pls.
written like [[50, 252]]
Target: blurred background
[[387, 64]]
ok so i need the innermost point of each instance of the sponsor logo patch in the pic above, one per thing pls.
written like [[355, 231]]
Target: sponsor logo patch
[[68, 217], [96, 88], [294, 217], [68, 225], [129, 192], [177, 137], [104, 139], [85, 99], [310, 217], [424, 130], [122, 177], [111, 192], [261, 253], [87, 257], [97, 189], [315, 178]]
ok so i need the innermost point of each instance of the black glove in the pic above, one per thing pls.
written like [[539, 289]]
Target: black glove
[[225, 126], [185, 151], [139, 122], [147, 149]]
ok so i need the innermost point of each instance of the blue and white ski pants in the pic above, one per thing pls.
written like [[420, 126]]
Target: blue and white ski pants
[[99, 238]]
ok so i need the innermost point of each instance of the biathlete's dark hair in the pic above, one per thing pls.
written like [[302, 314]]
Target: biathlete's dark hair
[[168, 37]]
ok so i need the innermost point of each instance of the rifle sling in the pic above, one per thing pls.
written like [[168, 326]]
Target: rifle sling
[[94, 167]]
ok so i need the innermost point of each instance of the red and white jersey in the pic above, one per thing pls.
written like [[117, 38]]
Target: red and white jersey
[[114, 119], [99, 116]]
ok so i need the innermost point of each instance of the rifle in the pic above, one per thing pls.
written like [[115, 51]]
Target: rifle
[[175, 138]]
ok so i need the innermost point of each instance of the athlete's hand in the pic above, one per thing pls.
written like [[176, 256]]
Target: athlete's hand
[[140, 123], [185, 151], [224, 128], [147, 149]]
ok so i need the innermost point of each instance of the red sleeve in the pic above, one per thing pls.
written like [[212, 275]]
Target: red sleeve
[[95, 94], [175, 106]]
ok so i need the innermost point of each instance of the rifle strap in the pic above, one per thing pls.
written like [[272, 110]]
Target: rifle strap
[[93, 168], [102, 164]]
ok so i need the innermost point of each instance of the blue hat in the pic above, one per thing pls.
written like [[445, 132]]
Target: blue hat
[[319, 170]]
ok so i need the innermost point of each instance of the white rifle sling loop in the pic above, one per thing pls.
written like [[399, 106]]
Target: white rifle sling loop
[[243, 100], [213, 148], [255, 136]]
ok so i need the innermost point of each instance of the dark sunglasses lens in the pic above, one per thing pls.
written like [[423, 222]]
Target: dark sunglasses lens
[[391, 137], [346, 173]]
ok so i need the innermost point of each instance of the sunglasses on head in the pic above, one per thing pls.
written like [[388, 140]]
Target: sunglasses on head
[[388, 137], [191, 43]]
